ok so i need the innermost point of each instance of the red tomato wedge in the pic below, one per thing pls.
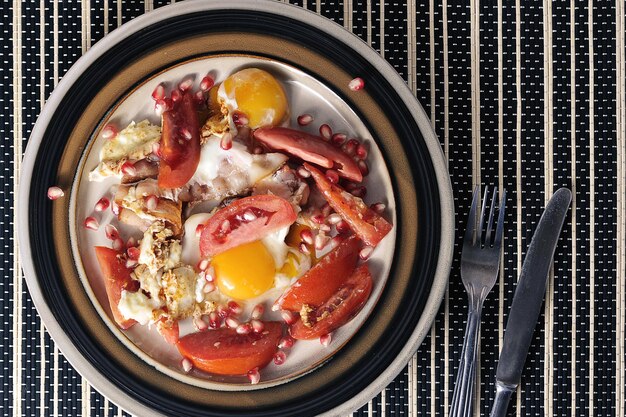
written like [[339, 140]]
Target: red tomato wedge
[[309, 148], [244, 221], [365, 222], [225, 352], [170, 332], [116, 278], [180, 144], [316, 286], [342, 306]]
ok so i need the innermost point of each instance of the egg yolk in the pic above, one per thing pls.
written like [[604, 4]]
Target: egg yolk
[[258, 95], [245, 271]]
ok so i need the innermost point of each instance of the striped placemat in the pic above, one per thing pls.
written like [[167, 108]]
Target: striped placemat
[[530, 96]]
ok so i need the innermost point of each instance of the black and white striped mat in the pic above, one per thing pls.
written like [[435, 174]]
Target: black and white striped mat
[[523, 94]]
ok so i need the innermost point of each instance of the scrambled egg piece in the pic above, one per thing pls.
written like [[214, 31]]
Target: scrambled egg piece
[[133, 143], [158, 250]]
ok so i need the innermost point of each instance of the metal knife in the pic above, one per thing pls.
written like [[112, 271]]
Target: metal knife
[[527, 300]]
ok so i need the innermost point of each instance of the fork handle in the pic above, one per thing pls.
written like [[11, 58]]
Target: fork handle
[[463, 396]]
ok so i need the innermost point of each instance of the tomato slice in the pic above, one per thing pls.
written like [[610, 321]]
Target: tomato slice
[[309, 148], [342, 306], [364, 221], [232, 226], [323, 280], [225, 352], [180, 144], [169, 331], [116, 278]]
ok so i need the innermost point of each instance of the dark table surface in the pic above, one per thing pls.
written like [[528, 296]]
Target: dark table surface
[[527, 95]]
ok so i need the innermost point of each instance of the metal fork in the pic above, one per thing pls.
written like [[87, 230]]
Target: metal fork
[[480, 262]]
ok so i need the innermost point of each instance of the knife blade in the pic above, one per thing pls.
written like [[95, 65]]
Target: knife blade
[[528, 299]]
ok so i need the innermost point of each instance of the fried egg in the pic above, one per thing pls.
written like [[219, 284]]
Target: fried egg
[[252, 270], [256, 94]]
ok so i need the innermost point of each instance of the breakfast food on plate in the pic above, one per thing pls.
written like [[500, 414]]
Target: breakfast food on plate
[[254, 234]]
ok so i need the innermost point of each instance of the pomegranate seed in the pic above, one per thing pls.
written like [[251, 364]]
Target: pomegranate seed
[[244, 329], [378, 207], [234, 307], [208, 287], [118, 244], [185, 84], [356, 84], [326, 131], [111, 232], [350, 186], [318, 218], [342, 227], [176, 95], [199, 98], [257, 150], [334, 242], [257, 311], [152, 201], [303, 172], [307, 236], [185, 133], [326, 210], [361, 151], [91, 223], [162, 105], [232, 322], [280, 357], [223, 311], [324, 228], [115, 208], [286, 342], [240, 119], [363, 167], [214, 320], [55, 193], [109, 132], [131, 263], [249, 216], [131, 242], [325, 340], [257, 325], [200, 324], [133, 253], [350, 146], [288, 317], [366, 252], [199, 229], [128, 168], [187, 365], [254, 376], [159, 92], [206, 83], [225, 226], [332, 175], [333, 218], [338, 139], [203, 265], [305, 119], [321, 241], [227, 141], [304, 248], [102, 204], [359, 191]]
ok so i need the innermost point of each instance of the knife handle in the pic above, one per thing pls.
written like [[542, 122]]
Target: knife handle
[[503, 395]]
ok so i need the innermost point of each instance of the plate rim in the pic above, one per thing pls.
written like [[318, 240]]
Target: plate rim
[[444, 258]]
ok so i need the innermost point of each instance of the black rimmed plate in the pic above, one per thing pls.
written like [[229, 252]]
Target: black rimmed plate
[[301, 40]]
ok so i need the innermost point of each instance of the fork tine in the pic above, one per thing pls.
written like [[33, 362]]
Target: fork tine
[[488, 240], [482, 215], [500, 229], [471, 218]]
